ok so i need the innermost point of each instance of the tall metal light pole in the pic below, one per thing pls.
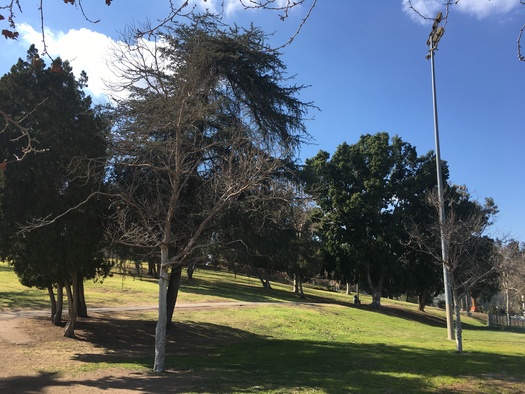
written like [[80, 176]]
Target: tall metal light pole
[[433, 40]]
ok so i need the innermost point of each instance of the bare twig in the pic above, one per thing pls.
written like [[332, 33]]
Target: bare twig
[[520, 56], [46, 221], [24, 134], [303, 21], [447, 5]]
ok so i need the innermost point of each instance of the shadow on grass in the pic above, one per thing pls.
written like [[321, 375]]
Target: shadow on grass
[[205, 357], [236, 291], [22, 299]]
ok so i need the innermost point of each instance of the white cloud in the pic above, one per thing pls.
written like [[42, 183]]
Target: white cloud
[[422, 9], [477, 8], [107, 62], [84, 49], [231, 7], [92, 52], [484, 8]]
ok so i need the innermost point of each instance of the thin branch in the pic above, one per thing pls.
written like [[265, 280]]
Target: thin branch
[[24, 134], [520, 56], [84, 14], [46, 221], [303, 22]]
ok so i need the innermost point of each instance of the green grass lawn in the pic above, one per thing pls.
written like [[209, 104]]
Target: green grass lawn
[[328, 347], [340, 349]]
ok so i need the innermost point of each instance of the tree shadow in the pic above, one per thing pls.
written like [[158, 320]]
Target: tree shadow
[[125, 340], [236, 291], [22, 299], [206, 357], [411, 315]]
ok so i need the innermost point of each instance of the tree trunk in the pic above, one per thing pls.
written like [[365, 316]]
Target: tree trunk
[[263, 277], [81, 298], [190, 271], [173, 291], [348, 291], [298, 285], [69, 331], [160, 329], [57, 317], [376, 298], [422, 298], [469, 303], [507, 306], [459, 336], [474, 306], [53, 302], [152, 269], [375, 290], [267, 285]]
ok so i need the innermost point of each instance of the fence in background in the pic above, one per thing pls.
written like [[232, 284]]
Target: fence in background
[[502, 320]]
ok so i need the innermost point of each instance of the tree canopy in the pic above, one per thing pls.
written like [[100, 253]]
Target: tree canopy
[[208, 118], [58, 114], [363, 191]]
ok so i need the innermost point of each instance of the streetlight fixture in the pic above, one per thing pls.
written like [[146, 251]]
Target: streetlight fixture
[[433, 40]]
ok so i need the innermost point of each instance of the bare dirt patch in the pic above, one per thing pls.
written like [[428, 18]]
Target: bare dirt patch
[[37, 358]]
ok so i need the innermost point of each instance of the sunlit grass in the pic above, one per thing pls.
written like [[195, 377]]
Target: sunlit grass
[[330, 348], [334, 347], [15, 296]]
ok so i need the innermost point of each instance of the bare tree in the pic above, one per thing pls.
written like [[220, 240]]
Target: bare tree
[[471, 253], [206, 120], [511, 266]]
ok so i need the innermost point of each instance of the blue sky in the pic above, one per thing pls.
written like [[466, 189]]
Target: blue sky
[[364, 62]]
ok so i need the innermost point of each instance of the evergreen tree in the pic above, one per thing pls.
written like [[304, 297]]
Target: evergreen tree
[[61, 118], [363, 192]]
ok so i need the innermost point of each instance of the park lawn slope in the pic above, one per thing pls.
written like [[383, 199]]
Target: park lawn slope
[[326, 345]]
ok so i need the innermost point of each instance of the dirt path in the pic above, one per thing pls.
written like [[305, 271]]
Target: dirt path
[[37, 358], [11, 314]]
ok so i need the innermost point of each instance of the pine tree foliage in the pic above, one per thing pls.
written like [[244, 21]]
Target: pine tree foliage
[[58, 115]]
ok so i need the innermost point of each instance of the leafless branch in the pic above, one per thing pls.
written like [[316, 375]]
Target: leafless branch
[[466, 241], [46, 221], [449, 3], [24, 134], [518, 41], [300, 27], [175, 11], [429, 18]]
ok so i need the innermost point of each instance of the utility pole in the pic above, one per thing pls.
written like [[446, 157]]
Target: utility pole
[[433, 40]]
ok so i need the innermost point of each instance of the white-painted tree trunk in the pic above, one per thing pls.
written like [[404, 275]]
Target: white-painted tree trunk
[[295, 284], [160, 330], [459, 330], [507, 305]]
